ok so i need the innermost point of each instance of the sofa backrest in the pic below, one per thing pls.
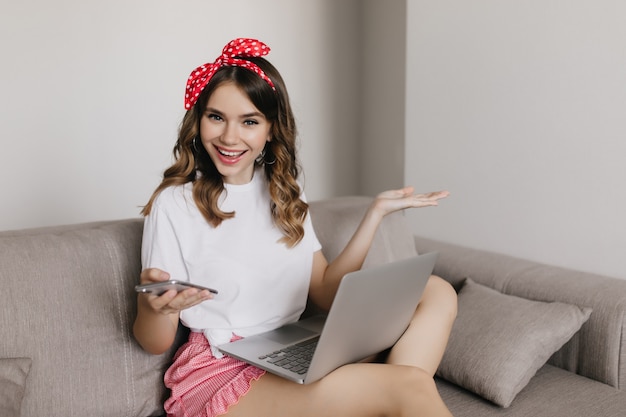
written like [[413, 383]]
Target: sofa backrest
[[336, 219], [68, 304]]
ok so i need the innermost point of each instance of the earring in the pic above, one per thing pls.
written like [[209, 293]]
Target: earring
[[194, 143], [265, 161], [259, 159]]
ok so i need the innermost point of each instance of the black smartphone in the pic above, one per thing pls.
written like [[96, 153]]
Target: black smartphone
[[158, 288]]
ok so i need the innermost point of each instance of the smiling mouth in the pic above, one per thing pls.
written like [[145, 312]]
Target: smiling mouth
[[230, 154]]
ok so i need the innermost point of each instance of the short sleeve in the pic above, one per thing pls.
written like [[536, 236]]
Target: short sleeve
[[160, 246]]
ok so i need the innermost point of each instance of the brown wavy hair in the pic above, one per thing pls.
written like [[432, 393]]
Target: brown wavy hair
[[288, 210]]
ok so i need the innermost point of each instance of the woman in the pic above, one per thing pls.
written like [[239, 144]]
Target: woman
[[230, 214]]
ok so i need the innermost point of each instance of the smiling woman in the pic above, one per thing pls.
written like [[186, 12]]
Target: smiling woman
[[231, 214]]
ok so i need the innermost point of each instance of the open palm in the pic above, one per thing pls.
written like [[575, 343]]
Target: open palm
[[394, 200]]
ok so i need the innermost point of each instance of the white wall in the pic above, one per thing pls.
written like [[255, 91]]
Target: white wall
[[518, 108], [92, 96], [382, 78]]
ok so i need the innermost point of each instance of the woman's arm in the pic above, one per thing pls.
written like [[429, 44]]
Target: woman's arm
[[325, 277], [157, 316]]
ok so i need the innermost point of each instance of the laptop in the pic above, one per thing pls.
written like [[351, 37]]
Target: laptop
[[371, 310]]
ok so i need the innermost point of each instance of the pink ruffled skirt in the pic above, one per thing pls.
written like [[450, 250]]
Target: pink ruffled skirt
[[202, 385]]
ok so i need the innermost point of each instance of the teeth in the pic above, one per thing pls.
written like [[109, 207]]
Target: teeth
[[230, 154]]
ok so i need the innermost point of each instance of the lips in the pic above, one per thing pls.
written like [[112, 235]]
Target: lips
[[229, 156]]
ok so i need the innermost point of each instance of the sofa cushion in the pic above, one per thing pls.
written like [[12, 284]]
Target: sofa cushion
[[598, 350], [552, 392], [13, 373], [499, 341]]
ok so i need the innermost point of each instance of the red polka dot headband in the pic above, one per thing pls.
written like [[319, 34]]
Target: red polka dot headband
[[241, 48]]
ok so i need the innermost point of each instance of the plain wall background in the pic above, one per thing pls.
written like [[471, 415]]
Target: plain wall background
[[91, 96], [381, 95], [519, 109], [516, 107]]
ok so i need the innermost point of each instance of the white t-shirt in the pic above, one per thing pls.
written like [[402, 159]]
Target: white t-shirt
[[262, 283]]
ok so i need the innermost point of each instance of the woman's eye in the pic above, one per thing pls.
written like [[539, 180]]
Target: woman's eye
[[214, 116], [250, 122]]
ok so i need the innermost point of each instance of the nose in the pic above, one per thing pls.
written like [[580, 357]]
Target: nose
[[230, 135]]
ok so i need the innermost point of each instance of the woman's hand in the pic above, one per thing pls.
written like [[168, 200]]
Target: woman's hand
[[325, 277], [170, 302], [394, 200]]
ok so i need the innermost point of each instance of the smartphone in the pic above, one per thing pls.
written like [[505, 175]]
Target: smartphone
[[158, 288]]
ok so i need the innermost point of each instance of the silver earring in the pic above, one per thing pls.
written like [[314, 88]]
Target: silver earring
[[265, 161], [195, 143], [259, 159]]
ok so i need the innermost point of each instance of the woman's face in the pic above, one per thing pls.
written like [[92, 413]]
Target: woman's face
[[234, 132]]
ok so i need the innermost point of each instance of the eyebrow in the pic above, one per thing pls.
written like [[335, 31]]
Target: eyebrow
[[243, 116]]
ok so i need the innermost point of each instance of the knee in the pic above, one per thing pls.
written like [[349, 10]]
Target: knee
[[414, 385], [442, 294], [414, 378]]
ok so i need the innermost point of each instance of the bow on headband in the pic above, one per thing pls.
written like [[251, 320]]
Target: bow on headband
[[241, 48]]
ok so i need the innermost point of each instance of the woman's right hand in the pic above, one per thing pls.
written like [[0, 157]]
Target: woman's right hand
[[170, 302]]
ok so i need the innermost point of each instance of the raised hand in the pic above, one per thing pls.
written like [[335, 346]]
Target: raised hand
[[394, 200]]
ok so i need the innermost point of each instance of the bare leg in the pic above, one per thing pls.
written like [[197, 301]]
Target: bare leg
[[424, 342], [402, 387], [361, 390]]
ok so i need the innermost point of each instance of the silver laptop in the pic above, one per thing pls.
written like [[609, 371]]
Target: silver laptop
[[371, 310]]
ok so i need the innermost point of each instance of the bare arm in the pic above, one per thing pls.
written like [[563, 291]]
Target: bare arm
[[325, 277], [157, 316]]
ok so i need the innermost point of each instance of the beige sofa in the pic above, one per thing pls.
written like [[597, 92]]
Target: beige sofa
[[68, 305]]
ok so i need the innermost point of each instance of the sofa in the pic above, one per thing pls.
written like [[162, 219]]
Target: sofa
[[68, 304]]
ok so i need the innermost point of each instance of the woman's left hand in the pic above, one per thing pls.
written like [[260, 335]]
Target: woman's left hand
[[394, 200], [326, 277]]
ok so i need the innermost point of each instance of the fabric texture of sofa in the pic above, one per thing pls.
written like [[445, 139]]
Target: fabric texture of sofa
[[530, 339]]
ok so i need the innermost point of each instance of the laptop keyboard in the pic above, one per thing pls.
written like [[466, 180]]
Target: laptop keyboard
[[295, 358]]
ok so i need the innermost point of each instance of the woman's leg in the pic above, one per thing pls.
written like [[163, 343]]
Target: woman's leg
[[361, 390], [404, 386], [424, 342]]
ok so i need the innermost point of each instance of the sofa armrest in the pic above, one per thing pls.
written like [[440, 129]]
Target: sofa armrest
[[598, 350]]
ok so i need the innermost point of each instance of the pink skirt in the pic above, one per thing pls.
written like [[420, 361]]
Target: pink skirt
[[202, 385]]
